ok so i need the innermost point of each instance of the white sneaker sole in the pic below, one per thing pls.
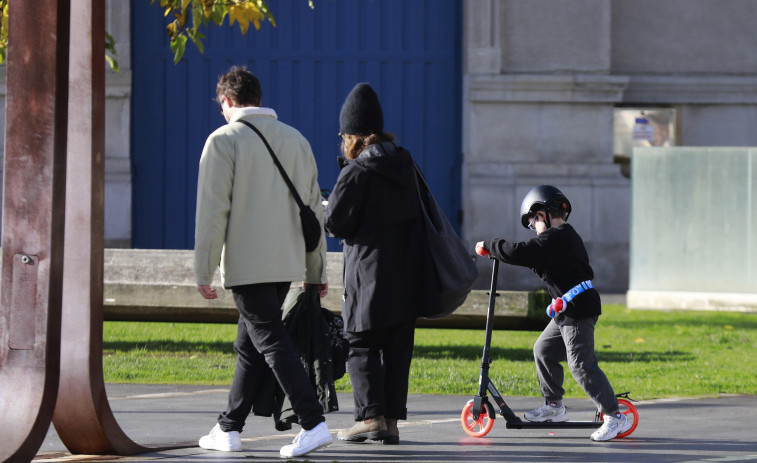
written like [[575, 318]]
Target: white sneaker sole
[[620, 431], [320, 445], [207, 446], [225, 449]]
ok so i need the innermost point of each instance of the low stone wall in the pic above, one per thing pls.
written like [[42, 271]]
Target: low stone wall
[[158, 285]]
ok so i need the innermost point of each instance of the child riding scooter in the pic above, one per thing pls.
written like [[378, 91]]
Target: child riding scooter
[[558, 256]]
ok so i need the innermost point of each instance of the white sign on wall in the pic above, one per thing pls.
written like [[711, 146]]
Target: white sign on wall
[[643, 130], [642, 127]]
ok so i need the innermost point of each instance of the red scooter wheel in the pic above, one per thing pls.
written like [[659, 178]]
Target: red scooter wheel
[[476, 428], [628, 409]]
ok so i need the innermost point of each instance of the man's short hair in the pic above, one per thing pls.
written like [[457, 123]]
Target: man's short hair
[[241, 86], [557, 210]]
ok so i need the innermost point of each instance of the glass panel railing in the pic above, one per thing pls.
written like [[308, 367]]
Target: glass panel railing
[[694, 219]]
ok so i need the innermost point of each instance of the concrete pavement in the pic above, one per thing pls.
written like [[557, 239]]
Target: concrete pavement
[[682, 430]]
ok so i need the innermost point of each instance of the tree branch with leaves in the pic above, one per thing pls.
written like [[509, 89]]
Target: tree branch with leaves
[[188, 18], [207, 12]]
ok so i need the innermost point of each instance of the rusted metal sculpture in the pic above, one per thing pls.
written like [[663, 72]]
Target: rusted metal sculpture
[[83, 418], [34, 192], [52, 306]]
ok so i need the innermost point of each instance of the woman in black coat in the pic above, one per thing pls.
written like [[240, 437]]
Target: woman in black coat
[[388, 275]]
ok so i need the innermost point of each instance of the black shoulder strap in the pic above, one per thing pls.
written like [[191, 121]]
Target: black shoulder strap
[[297, 198]]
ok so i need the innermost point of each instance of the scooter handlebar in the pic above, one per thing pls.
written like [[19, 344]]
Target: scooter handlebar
[[481, 251]]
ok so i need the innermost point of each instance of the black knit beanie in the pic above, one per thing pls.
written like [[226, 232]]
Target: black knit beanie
[[361, 112]]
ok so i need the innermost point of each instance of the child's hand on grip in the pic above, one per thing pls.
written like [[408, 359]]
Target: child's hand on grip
[[557, 306]]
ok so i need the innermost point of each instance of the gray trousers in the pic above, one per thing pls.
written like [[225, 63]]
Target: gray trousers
[[574, 343]]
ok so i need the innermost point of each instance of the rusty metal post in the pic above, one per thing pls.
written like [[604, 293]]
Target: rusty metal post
[[48, 352], [33, 213], [83, 418]]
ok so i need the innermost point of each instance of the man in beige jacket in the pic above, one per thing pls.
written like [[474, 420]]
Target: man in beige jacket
[[248, 222]]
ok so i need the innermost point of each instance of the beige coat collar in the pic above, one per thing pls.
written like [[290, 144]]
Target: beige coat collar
[[252, 111]]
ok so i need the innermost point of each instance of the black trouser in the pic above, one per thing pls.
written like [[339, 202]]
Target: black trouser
[[261, 343], [379, 367]]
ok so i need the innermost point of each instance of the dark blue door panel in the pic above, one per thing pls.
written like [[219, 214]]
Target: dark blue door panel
[[408, 50]]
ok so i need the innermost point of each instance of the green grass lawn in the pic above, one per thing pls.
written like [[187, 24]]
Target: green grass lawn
[[652, 354]]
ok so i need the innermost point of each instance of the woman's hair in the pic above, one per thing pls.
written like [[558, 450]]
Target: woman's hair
[[241, 86], [352, 145]]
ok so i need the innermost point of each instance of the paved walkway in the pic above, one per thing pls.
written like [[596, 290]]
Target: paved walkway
[[687, 430]]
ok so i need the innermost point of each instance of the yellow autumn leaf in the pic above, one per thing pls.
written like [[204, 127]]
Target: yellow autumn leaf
[[207, 7], [245, 12], [254, 14], [638, 340], [237, 13], [172, 30]]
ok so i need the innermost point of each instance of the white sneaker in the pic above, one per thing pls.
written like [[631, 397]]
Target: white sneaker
[[307, 441], [611, 428], [220, 440], [547, 413]]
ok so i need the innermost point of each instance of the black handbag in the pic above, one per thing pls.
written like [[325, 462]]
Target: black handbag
[[311, 227], [340, 347], [453, 263]]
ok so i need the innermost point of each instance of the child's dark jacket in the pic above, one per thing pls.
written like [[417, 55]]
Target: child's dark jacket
[[558, 257]]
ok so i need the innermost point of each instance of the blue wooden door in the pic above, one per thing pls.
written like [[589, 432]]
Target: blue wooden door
[[408, 50]]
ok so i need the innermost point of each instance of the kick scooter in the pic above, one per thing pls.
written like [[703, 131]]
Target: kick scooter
[[478, 414]]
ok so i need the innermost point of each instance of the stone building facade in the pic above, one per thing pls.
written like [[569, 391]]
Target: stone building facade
[[540, 82]]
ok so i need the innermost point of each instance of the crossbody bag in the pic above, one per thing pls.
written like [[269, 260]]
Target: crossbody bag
[[311, 227]]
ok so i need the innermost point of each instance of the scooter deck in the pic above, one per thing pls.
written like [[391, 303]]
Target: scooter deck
[[551, 424]]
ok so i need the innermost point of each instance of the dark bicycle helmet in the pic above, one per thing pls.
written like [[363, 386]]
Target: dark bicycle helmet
[[543, 198]]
